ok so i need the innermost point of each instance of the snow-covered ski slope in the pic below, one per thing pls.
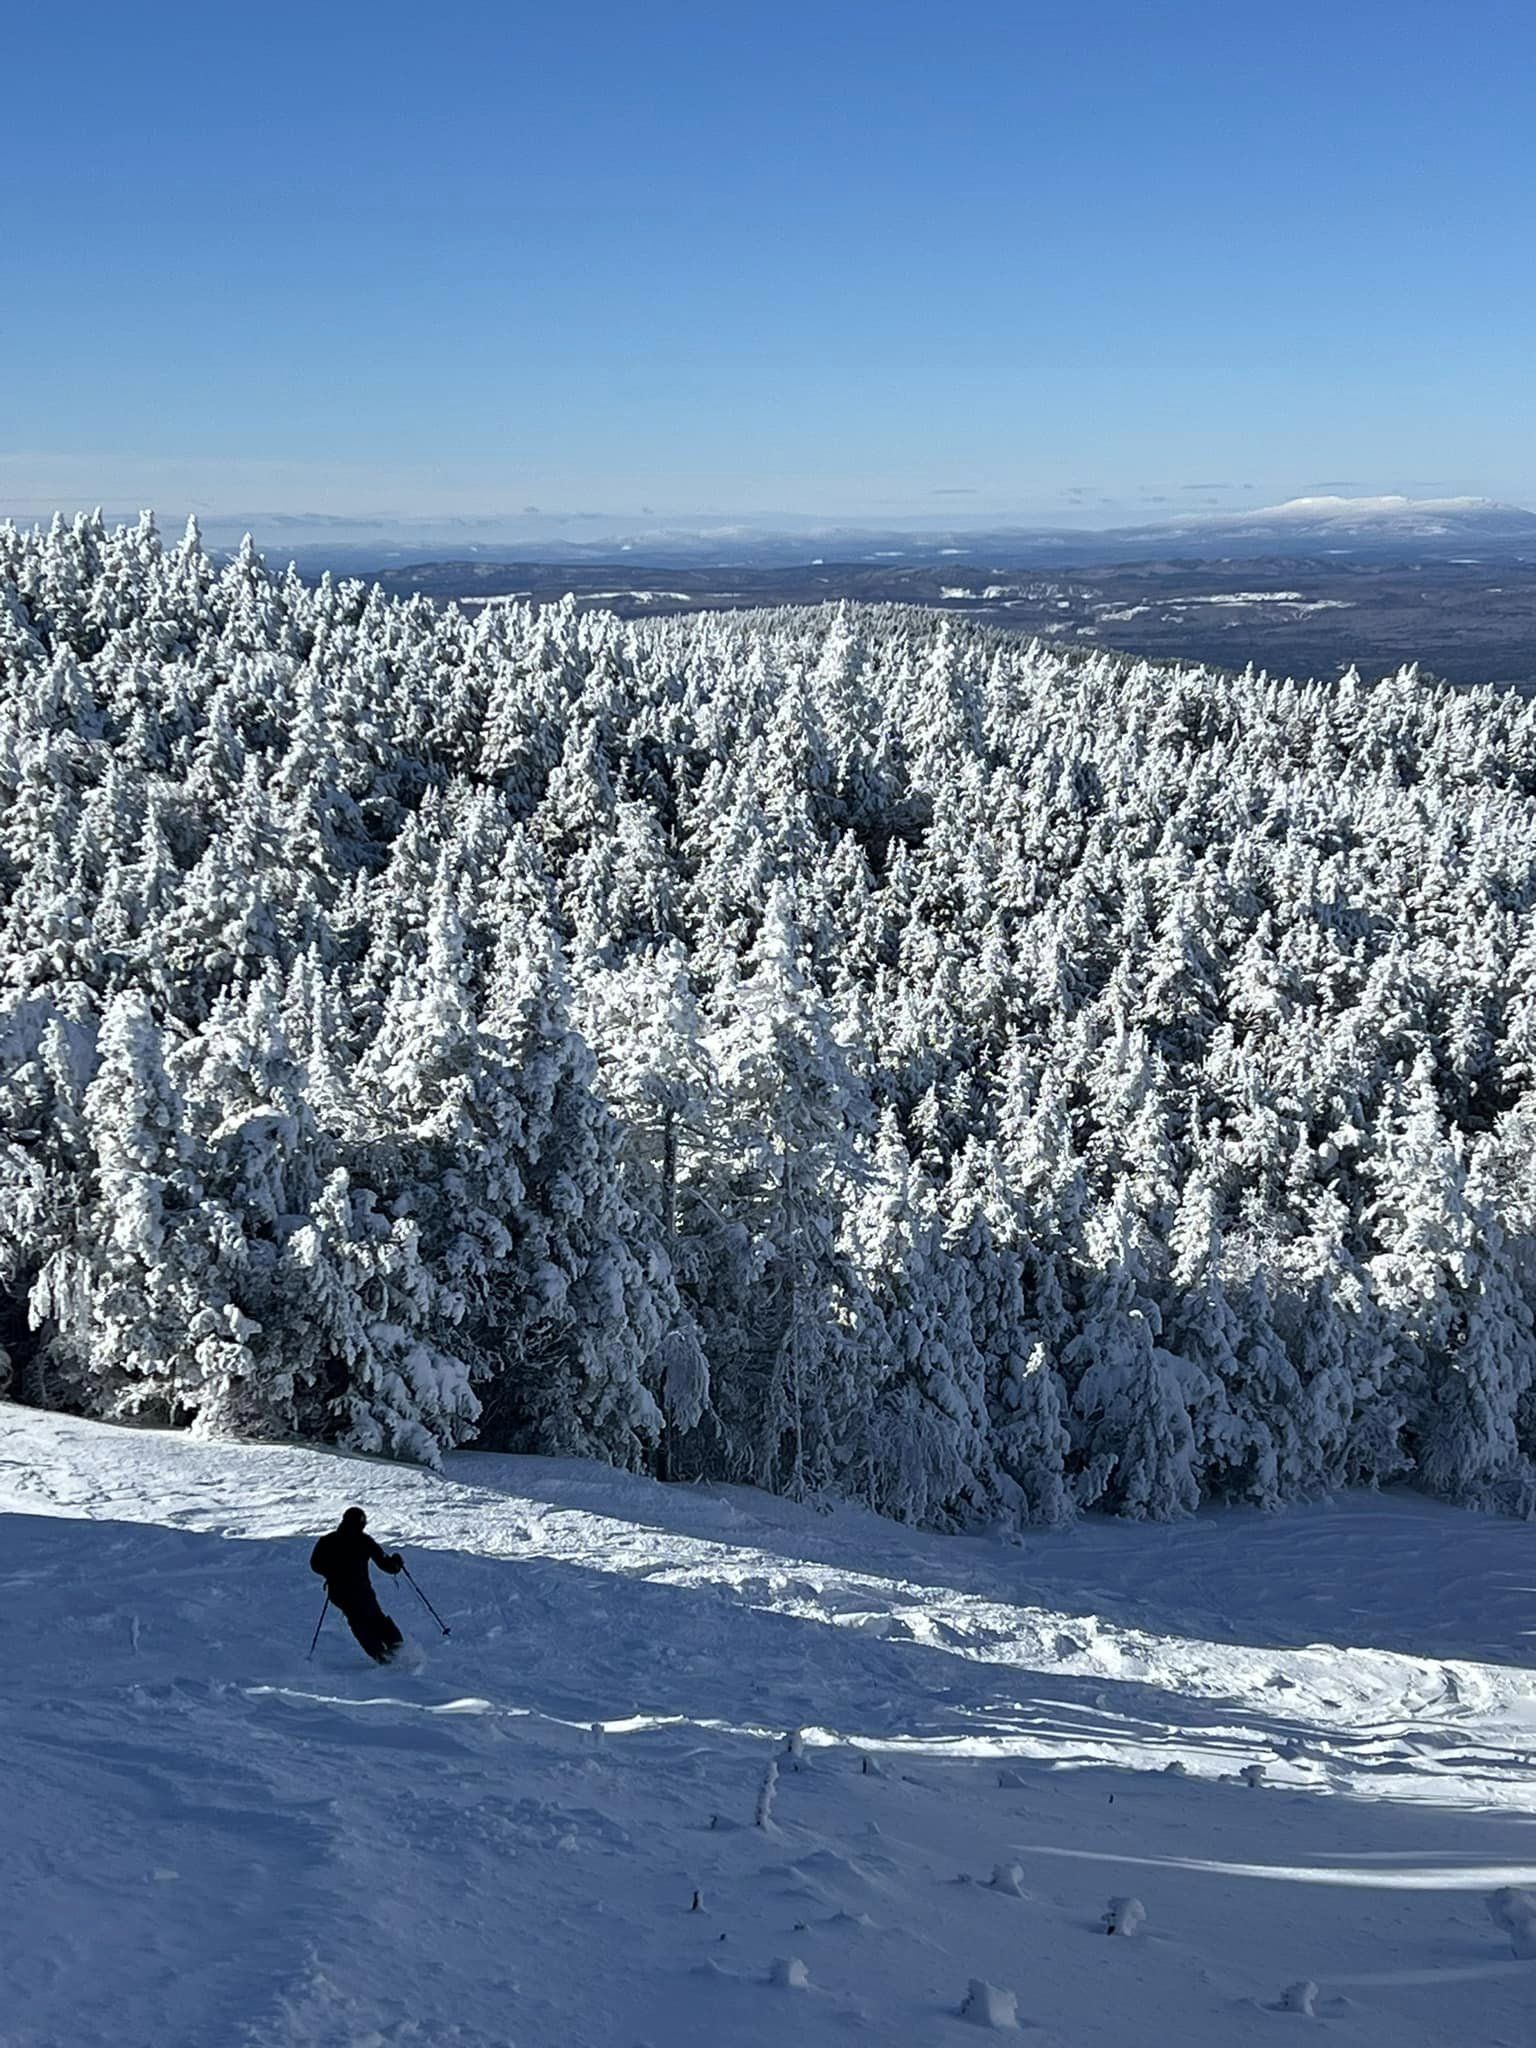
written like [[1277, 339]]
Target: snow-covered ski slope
[[208, 1840]]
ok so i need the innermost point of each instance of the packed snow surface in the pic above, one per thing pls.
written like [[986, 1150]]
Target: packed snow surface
[[539, 1832]]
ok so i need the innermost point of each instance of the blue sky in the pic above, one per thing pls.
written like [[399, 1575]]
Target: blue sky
[[1093, 261]]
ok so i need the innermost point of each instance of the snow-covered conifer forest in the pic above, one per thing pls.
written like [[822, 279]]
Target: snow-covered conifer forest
[[826, 1049]]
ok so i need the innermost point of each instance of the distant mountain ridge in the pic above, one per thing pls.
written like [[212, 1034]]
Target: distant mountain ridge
[[1328, 525], [1330, 518]]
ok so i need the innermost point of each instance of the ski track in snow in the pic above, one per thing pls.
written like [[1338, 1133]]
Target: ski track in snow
[[214, 1840]]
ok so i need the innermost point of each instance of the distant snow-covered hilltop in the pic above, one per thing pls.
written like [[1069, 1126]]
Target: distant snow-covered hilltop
[[1391, 518], [833, 1049]]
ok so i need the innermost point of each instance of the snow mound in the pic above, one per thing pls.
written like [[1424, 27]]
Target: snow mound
[[986, 2005], [1513, 1907], [1124, 1916]]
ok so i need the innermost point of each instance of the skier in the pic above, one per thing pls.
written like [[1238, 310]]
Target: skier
[[342, 1559]]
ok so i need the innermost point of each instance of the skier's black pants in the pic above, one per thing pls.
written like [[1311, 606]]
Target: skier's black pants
[[370, 1624]]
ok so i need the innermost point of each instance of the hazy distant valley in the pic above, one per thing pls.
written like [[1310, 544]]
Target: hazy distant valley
[[1469, 621], [1306, 588]]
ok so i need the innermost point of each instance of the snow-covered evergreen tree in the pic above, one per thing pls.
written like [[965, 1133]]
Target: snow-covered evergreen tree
[[928, 1452], [788, 1105], [1132, 1398], [121, 1296]]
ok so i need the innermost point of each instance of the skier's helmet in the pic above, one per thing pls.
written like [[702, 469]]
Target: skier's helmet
[[354, 1518]]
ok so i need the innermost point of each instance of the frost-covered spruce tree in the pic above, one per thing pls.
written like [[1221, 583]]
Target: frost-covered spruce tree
[[1032, 1440], [642, 1020], [1203, 1327], [1470, 1446], [787, 1375], [47, 1059], [1131, 1401], [440, 1120], [121, 1295], [577, 1324], [365, 1312], [928, 1451], [1464, 1326], [262, 1162], [1012, 1306], [1268, 1401]]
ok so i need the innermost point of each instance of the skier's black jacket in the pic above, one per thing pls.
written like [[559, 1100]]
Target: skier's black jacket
[[342, 1559]]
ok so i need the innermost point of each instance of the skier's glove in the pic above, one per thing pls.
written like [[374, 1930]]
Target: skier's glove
[[394, 1564]]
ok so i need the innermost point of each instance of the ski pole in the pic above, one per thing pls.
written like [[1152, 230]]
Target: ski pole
[[405, 1574], [320, 1624]]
